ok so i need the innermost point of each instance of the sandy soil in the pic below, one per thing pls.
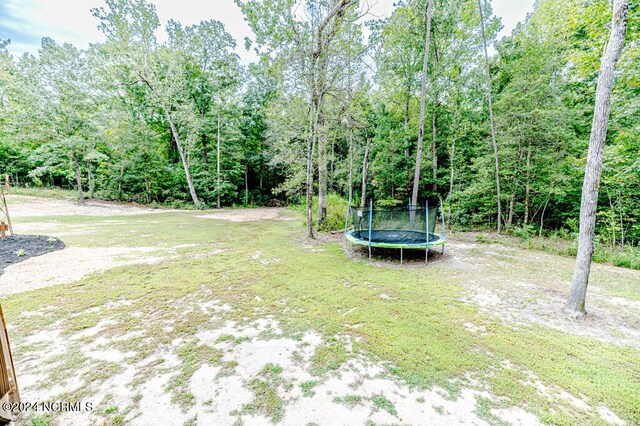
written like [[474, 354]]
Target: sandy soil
[[221, 395], [72, 264], [539, 297], [27, 206]]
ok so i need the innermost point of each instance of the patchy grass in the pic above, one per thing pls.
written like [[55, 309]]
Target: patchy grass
[[329, 357], [564, 245], [483, 408], [58, 193], [421, 332], [307, 388], [350, 400], [193, 355], [380, 402], [266, 400]]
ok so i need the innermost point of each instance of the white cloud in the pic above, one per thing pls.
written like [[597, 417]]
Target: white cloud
[[27, 21], [511, 12]]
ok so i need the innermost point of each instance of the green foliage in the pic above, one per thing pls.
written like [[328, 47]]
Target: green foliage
[[101, 116]]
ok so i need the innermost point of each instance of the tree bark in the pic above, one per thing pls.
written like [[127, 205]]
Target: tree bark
[[91, 181], [451, 177], [246, 185], [349, 122], [218, 166], [350, 167], [76, 164], [365, 170], [322, 171], [512, 206], [423, 100], [493, 130], [528, 185], [406, 122], [205, 157], [310, 149], [185, 164], [544, 209], [435, 144], [575, 307]]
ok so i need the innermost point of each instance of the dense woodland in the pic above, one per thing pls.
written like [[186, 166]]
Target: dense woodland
[[333, 109]]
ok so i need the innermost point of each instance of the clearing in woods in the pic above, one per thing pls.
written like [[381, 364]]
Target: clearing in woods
[[232, 317]]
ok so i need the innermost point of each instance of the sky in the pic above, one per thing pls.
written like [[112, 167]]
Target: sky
[[25, 22]]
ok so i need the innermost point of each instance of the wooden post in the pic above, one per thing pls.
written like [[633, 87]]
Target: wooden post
[[8, 383], [5, 219]]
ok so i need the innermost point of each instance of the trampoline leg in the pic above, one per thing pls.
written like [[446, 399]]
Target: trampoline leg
[[426, 256], [369, 253], [401, 257], [443, 249]]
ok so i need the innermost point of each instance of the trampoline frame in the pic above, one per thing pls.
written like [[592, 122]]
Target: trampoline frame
[[441, 241]]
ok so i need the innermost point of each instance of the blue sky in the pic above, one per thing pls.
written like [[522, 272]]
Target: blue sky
[[25, 22]]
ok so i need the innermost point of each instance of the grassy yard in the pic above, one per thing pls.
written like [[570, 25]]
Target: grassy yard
[[427, 328]]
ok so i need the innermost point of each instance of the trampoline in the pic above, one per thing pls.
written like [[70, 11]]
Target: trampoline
[[395, 228]]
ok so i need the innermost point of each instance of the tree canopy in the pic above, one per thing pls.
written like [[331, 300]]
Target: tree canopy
[[332, 106]]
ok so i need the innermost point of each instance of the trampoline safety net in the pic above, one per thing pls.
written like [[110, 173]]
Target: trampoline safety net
[[394, 225]]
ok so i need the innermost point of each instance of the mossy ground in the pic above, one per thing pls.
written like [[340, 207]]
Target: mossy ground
[[420, 328]]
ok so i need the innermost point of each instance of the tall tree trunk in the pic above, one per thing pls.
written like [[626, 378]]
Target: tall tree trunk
[[576, 303], [322, 171], [512, 206], [435, 144], [350, 167], [451, 177], [546, 203], [493, 130], [218, 165], [76, 164], [205, 158], [528, 185], [406, 122], [91, 181], [246, 185], [349, 122], [310, 150], [423, 100], [365, 171], [185, 163]]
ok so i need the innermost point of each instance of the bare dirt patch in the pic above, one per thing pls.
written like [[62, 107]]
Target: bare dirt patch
[[257, 359], [72, 264], [28, 206], [530, 287]]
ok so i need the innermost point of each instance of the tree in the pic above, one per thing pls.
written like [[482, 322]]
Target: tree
[[493, 130], [576, 303], [60, 117], [305, 44], [164, 69], [423, 100]]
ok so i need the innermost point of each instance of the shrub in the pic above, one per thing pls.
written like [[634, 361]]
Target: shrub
[[336, 212]]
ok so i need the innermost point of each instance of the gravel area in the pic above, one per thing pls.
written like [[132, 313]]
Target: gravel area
[[17, 248]]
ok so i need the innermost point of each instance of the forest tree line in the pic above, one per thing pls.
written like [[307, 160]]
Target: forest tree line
[[334, 107]]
